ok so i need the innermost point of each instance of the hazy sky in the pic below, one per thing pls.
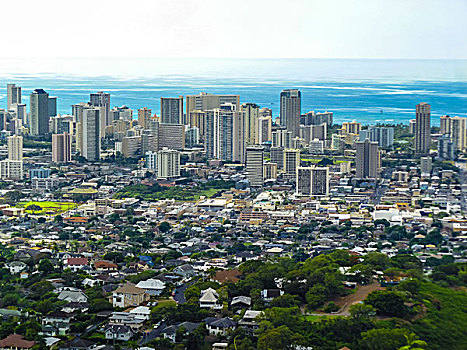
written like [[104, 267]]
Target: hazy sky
[[235, 28]]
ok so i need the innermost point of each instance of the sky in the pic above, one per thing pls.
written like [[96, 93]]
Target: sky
[[411, 29]]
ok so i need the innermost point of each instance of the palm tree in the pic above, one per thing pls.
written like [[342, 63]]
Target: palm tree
[[413, 343]]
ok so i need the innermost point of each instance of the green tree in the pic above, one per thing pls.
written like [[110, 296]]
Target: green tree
[[383, 339], [33, 208], [45, 266], [387, 302], [413, 343], [280, 338], [164, 227]]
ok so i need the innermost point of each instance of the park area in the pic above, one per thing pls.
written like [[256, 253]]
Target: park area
[[46, 208]]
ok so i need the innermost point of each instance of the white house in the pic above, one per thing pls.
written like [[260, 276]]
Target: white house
[[208, 299], [152, 286], [16, 267]]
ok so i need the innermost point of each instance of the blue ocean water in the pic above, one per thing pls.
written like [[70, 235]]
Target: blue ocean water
[[368, 91]]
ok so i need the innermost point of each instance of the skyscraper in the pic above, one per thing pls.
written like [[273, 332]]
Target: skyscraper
[[312, 181], [144, 117], [15, 148], [351, 127], [383, 135], [290, 111], [422, 128], [223, 137], [91, 140], [12, 167], [52, 106], [254, 166], [13, 95], [263, 130], [39, 112], [102, 99], [251, 111], [291, 163], [168, 164], [172, 110], [61, 148], [455, 128], [204, 101], [367, 159]]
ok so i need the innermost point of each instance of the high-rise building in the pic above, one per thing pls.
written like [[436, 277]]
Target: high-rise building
[[254, 166], [223, 139], [15, 148], [319, 181], [383, 135], [351, 127], [412, 123], [282, 138], [13, 95], [168, 164], [204, 101], [455, 128], [251, 111], [20, 110], [270, 171], [291, 163], [313, 132], [312, 181], [316, 146], [367, 159], [91, 140], [425, 165], [102, 100], [312, 118], [39, 112], [422, 128], [61, 148], [52, 106], [446, 148], [277, 157], [144, 117], [131, 146], [171, 136], [191, 136], [290, 110], [196, 120], [172, 110], [263, 132], [121, 113]]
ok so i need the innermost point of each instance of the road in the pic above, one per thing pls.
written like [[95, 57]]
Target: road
[[179, 296], [153, 334]]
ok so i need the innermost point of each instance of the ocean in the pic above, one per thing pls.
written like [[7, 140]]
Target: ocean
[[367, 90]]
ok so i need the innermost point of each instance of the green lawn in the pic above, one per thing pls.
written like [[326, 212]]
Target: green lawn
[[48, 208]]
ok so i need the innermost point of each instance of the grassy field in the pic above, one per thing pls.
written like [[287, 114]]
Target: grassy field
[[48, 208]]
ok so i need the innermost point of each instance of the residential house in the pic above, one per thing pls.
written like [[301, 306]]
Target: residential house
[[16, 342], [73, 296], [16, 267], [75, 264], [171, 331], [269, 294], [249, 321], [219, 326], [105, 266], [185, 270], [118, 332], [152, 286], [208, 299], [126, 319], [240, 302], [77, 344], [129, 295]]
